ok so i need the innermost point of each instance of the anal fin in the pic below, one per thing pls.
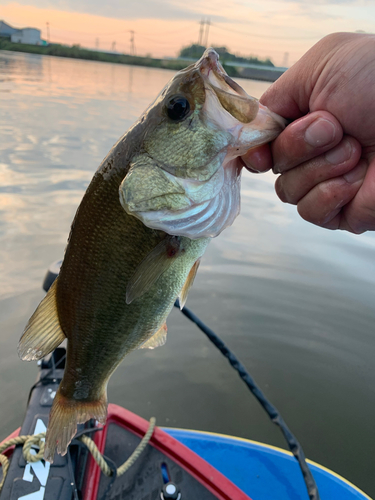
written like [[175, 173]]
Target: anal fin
[[43, 332], [158, 339], [188, 283]]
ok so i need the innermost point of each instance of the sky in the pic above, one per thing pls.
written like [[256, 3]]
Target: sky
[[280, 29]]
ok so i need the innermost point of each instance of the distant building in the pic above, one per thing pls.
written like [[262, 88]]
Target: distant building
[[27, 35], [24, 35], [6, 30]]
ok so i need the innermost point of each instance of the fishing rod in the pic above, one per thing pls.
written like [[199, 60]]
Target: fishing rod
[[269, 408]]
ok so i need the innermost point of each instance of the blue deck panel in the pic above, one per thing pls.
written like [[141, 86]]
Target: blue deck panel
[[263, 472]]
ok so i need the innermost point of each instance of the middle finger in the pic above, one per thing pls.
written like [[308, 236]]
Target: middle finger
[[294, 184]]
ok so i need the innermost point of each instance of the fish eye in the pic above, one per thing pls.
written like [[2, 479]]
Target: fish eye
[[178, 108]]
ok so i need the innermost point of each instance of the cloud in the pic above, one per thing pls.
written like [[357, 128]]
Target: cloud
[[129, 9], [300, 9], [358, 3]]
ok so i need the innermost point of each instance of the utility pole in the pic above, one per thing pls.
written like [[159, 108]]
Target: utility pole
[[114, 46], [47, 23], [200, 39], [132, 44], [285, 60], [96, 43], [206, 34]]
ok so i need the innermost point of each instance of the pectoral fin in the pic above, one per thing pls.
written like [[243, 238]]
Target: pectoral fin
[[43, 332], [188, 283], [152, 267], [158, 339]]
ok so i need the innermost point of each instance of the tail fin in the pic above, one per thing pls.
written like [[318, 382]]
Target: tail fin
[[64, 417]]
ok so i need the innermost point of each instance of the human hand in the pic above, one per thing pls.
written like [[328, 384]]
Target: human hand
[[327, 155]]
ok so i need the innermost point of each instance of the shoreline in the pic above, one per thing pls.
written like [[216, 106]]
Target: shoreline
[[252, 72]]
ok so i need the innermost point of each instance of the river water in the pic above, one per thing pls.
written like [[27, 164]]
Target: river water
[[294, 301]]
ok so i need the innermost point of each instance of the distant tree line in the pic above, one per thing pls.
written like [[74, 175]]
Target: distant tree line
[[195, 51], [77, 52]]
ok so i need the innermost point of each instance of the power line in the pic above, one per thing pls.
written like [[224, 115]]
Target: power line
[[252, 35], [160, 40], [121, 32], [155, 41]]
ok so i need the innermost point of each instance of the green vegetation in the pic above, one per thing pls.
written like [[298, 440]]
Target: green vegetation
[[195, 51], [79, 53]]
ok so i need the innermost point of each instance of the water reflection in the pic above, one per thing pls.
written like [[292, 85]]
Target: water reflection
[[46, 75], [295, 301]]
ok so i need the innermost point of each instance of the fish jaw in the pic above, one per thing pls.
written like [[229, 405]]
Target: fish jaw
[[229, 107], [199, 194]]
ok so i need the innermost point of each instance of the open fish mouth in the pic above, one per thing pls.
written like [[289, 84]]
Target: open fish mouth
[[250, 123], [200, 198]]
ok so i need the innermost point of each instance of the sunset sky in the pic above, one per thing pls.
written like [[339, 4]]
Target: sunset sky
[[280, 29]]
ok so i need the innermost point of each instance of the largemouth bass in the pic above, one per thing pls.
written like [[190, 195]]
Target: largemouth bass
[[168, 186]]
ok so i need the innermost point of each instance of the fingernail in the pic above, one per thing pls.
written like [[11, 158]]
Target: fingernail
[[340, 153], [279, 189], [356, 174], [320, 133], [248, 166], [251, 169]]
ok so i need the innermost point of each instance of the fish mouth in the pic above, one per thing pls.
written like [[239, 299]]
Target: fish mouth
[[247, 110], [232, 97]]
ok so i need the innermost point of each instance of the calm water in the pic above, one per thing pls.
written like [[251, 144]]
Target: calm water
[[296, 302]]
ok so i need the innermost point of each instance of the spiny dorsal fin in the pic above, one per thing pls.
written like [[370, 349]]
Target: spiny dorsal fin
[[188, 283], [43, 332], [152, 267], [158, 339]]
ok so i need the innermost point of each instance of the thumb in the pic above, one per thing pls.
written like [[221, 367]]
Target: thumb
[[290, 95]]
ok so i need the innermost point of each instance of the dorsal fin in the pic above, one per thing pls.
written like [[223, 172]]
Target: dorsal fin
[[158, 339], [43, 332], [154, 265], [188, 283]]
